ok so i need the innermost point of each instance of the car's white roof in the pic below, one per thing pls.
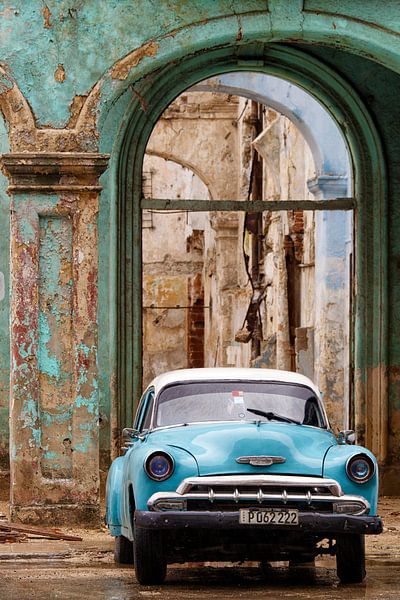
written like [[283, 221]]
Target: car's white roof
[[230, 373]]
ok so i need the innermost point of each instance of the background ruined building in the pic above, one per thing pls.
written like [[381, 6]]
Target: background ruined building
[[82, 86], [236, 289]]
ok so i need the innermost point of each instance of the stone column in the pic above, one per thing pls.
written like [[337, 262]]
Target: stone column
[[225, 226], [333, 246], [54, 449]]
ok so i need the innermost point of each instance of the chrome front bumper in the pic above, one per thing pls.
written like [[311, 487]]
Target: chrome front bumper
[[320, 525]]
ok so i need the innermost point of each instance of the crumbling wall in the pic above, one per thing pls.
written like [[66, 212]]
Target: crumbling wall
[[79, 67], [172, 259], [175, 245], [4, 322]]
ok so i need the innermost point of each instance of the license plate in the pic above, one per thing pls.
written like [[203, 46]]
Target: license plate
[[272, 516]]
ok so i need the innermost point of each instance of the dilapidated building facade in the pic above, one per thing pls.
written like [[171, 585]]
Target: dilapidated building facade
[[242, 285], [83, 85]]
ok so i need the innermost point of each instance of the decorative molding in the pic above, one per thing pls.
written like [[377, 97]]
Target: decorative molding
[[327, 187], [54, 172]]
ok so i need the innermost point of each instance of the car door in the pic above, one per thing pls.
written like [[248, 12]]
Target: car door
[[141, 425]]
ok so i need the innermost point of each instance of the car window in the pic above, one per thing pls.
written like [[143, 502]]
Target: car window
[[148, 411], [237, 401], [143, 415]]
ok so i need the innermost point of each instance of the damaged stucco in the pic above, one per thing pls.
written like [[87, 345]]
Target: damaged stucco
[[54, 432], [74, 78]]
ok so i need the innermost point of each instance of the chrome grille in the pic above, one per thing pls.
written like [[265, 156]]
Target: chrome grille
[[261, 488], [231, 492]]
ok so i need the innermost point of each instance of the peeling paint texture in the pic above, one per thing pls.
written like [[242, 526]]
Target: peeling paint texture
[[81, 82], [122, 69]]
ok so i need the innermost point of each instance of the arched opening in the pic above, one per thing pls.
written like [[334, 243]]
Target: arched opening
[[342, 103], [263, 279]]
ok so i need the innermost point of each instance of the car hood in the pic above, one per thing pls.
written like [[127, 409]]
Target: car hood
[[216, 446]]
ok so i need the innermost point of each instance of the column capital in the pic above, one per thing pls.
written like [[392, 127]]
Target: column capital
[[326, 187], [225, 222], [54, 172]]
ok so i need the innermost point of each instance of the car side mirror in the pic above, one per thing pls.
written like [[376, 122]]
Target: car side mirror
[[128, 435], [347, 436]]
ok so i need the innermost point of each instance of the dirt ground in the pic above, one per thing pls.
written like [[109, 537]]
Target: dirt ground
[[386, 544], [65, 570]]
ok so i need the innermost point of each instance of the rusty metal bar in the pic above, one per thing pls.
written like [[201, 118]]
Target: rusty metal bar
[[247, 206], [175, 307]]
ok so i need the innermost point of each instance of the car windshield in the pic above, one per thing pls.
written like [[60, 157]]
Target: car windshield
[[237, 401]]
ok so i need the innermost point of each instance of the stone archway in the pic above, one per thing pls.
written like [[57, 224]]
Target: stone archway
[[339, 99]]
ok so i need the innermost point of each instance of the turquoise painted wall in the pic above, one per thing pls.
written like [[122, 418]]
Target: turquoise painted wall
[[86, 38], [57, 50], [4, 306]]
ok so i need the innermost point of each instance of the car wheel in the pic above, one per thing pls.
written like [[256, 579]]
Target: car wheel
[[350, 558], [149, 556], [123, 550]]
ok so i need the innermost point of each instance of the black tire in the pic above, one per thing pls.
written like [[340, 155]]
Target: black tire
[[123, 550], [149, 556], [350, 558]]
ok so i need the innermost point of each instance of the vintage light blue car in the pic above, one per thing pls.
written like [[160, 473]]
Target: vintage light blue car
[[239, 464]]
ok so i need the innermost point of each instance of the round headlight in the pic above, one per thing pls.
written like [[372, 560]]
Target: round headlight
[[360, 468], [159, 466]]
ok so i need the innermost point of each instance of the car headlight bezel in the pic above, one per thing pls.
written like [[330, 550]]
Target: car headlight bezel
[[159, 466], [363, 476]]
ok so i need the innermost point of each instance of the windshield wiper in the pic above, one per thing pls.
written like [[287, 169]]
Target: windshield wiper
[[271, 415]]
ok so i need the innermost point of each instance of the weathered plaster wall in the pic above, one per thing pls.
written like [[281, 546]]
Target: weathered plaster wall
[[287, 169], [56, 52], [211, 120], [54, 375], [61, 31], [4, 319], [170, 261]]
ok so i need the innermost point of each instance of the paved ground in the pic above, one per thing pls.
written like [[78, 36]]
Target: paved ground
[[85, 570]]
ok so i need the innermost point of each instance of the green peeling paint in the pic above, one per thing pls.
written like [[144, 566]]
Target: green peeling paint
[[89, 403], [4, 306], [47, 364]]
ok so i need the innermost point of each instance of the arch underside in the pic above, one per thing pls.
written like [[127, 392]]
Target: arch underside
[[318, 128]]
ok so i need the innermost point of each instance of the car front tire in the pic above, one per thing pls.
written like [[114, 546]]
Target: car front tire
[[149, 556], [123, 550], [350, 558]]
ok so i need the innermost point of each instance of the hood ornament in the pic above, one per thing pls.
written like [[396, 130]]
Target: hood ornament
[[260, 461]]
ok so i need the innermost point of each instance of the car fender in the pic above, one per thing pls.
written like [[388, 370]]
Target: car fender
[[185, 465], [114, 489], [334, 467]]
